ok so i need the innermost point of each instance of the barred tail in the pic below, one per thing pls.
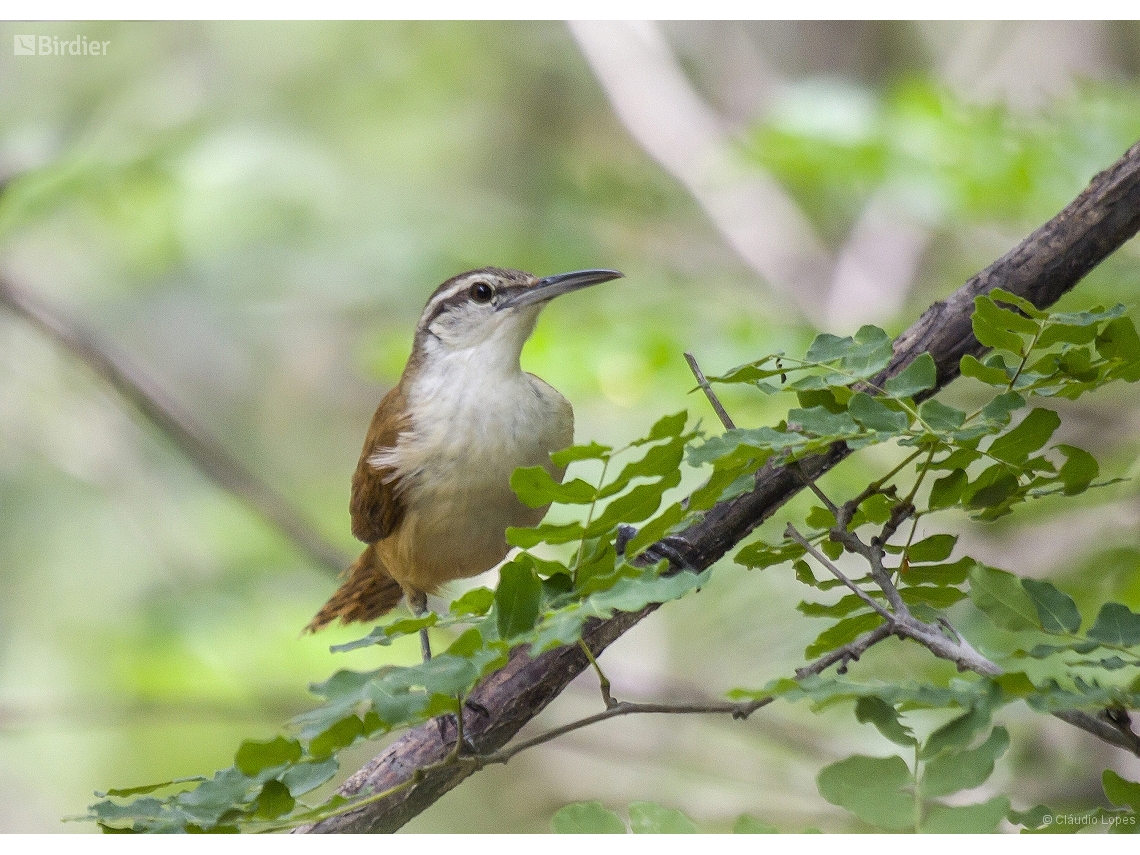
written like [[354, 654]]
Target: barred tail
[[368, 593]]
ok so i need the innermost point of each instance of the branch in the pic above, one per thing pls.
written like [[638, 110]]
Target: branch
[[703, 382], [739, 711], [162, 411], [1045, 265]]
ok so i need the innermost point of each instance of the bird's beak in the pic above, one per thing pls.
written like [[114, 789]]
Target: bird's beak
[[555, 286]]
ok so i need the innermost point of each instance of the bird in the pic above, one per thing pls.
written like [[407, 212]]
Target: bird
[[431, 494]]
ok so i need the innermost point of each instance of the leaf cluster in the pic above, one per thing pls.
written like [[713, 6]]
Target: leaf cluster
[[564, 575]]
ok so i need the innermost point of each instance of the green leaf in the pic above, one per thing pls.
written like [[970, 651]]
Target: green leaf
[[759, 555], [817, 421], [650, 818], [1119, 341], [947, 491], [917, 377], [630, 594], [1015, 684], [828, 348], [593, 451], [846, 630], [658, 460], [468, 644], [845, 606], [939, 417], [545, 533], [871, 788], [964, 770], [998, 410], [253, 756], [966, 819], [1001, 295], [994, 488], [959, 732], [340, 735], [638, 504], [865, 354], [874, 415], [754, 441], [960, 458], [1033, 432], [1057, 611], [477, 601], [746, 824], [517, 599], [586, 818], [971, 367], [213, 799], [273, 801], [885, 717], [993, 325], [150, 788], [937, 547], [872, 353], [874, 509], [804, 574], [1121, 791], [304, 777], [446, 674], [820, 518], [1032, 818], [536, 488], [1079, 469], [1001, 596], [393, 702], [939, 574], [1116, 624], [667, 426]]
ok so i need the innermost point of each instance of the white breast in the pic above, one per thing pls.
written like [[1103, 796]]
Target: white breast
[[469, 429]]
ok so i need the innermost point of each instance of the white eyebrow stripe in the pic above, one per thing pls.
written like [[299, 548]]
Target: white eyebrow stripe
[[457, 288]]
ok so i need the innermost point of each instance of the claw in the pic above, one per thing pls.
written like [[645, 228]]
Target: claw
[[669, 549]]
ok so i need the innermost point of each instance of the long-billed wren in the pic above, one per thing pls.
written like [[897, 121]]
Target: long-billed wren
[[431, 495]]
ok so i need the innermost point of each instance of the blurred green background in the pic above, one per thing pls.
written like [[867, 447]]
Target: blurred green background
[[255, 213]]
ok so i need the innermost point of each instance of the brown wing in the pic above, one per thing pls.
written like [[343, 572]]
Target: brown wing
[[374, 507]]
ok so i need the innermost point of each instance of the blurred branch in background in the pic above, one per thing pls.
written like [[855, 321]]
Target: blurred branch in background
[[162, 411], [653, 98], [869, 277]]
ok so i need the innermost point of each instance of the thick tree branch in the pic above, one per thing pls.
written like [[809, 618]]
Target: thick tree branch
[[1041, 268], [157, 407]]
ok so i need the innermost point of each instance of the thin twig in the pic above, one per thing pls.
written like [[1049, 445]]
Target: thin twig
[[603, 680], [702, 381], [814, 487], [737, 711], [791, 532], [182, 429], [849, 652]]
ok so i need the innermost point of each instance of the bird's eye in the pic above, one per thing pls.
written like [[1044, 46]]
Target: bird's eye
[[481, 292]]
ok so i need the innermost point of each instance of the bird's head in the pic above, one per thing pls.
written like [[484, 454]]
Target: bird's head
[[493, 308]]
